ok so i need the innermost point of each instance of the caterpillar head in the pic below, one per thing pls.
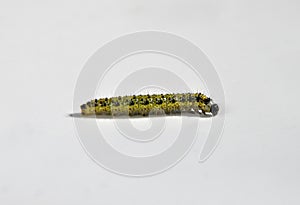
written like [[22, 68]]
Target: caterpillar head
[[208, 107], [214, 109]]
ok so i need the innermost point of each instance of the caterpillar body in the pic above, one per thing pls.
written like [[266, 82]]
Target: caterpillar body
[[155, 104]]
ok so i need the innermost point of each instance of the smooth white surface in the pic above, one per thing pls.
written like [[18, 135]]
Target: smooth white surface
[[255, 48]]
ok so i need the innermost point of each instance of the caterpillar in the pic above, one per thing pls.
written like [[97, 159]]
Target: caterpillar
[[155, 104]]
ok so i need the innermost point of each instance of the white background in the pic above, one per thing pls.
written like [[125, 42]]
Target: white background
[[255, 48]]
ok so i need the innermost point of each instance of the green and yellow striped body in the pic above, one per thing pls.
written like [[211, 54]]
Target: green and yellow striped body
[[155, 104]]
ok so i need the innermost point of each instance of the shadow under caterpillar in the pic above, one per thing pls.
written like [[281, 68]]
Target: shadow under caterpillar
[[155, 105]]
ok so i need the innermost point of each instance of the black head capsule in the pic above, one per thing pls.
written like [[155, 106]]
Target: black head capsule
[[83, 106]]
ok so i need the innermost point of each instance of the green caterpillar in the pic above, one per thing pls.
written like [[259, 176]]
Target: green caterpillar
[[156, 104]]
